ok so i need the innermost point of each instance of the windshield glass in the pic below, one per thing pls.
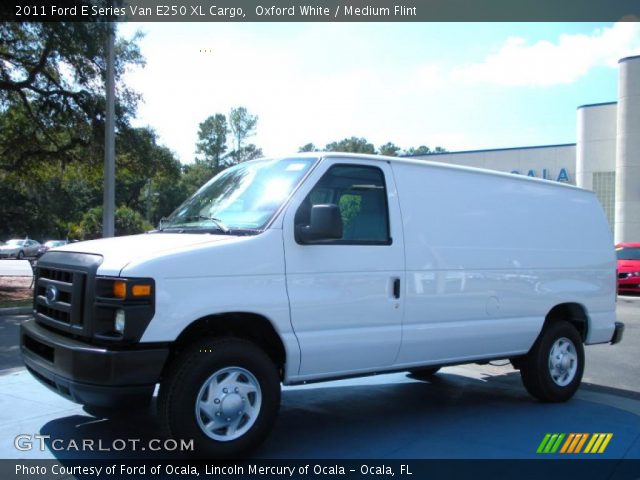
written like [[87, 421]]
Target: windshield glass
[[245, 196], [628, 253], [16, 242]]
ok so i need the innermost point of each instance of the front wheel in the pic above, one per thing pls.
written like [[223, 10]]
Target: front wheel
[[552, 370], [222, 393], [20, 255]]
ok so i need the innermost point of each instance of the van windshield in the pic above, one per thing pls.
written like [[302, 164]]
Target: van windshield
[[243, 197]]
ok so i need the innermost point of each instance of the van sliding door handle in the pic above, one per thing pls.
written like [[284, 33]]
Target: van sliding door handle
[[396, 288]]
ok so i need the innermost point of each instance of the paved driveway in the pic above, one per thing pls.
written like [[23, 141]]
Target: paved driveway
[[467, 411]]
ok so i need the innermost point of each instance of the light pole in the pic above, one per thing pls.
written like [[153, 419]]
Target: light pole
[[109, 199]]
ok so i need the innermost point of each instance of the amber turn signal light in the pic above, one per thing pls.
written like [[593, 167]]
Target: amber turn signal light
[[119, 289], [141, 290]]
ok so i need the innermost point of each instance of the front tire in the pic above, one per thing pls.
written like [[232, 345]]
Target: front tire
[[222, 393], [553, 368], [20, 255]]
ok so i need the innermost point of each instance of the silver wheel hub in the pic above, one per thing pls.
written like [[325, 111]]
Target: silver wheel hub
[[563, 362], [228, 403]]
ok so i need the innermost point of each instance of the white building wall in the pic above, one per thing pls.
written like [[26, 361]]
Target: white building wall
[[627, 206], [596, 147], [596, 153]]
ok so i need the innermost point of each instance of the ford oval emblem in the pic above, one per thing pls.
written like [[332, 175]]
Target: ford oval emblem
[[51, 294]]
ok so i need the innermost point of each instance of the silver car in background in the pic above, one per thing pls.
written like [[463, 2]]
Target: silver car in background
[[19, 248]]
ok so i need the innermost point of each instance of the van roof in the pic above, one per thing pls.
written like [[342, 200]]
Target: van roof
[[429, 163]]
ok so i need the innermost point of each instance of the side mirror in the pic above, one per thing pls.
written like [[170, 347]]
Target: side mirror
[[325, 223]]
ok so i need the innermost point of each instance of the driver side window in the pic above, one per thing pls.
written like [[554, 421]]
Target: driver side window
[[360, 193]]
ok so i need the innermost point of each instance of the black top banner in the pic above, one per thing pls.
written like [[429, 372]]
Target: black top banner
[[319, 10]]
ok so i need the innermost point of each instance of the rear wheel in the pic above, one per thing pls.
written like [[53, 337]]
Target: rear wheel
[[224, 394], [553, 368]]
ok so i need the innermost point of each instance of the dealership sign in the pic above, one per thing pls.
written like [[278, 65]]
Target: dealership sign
[[563, 174]]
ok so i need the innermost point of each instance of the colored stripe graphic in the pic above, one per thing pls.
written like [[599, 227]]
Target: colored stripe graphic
[[543, 443], [574, 442], [581, 443], [565, 447], [550, 443], [598, 443], [556, 445]]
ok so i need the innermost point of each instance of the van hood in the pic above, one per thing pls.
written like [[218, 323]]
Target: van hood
[[117, 252]]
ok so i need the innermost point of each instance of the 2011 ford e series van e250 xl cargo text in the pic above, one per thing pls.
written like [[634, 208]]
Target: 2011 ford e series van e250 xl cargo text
[[324, 266]]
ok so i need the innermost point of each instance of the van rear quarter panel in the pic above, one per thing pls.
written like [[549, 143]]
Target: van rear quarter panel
[[488, 255]]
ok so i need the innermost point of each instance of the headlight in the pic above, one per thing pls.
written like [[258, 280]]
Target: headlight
[[119, 322]]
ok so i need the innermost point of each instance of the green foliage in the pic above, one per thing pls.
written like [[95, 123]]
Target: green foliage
[[127, 222], [212, 145], [390, 149], [361, 145], [309, 147], [51, 91], [44, 199], [243, 126], [52, 130], [349, 206], [353, 144], [195, 176], [421, 150], [245, 153], [212, 140]]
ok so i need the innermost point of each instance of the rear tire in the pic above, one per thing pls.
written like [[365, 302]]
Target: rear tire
[[222, 393], [553, 368]]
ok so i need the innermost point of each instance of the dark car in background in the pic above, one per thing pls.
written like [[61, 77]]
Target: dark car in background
[[628, 267], [50, 244]]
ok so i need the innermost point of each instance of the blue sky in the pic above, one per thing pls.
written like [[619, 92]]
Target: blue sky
[[457, 85]]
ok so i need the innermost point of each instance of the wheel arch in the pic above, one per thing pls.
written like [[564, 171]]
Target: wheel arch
[[574, 313], [253, 327]]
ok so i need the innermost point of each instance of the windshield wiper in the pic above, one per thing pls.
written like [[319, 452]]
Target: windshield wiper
[[218, 223]]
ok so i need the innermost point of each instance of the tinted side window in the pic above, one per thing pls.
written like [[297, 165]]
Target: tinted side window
[[361, 195]]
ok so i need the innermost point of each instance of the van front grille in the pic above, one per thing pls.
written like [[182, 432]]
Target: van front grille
[[59, 296]]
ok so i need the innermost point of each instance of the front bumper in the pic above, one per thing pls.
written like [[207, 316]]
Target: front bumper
[[627, 283], [89, 374]]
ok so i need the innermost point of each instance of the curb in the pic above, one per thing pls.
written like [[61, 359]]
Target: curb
[[16, 311]]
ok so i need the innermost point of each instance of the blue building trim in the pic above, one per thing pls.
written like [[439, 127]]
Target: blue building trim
[[492, 150], [633, 57], [588, 105]]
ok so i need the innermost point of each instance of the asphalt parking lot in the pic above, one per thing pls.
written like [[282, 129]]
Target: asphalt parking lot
[[470, 411]]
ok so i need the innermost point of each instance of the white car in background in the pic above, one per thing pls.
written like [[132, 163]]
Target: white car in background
[[19, 248]]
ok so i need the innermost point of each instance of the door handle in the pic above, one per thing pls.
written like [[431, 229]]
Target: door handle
[[396, 288]]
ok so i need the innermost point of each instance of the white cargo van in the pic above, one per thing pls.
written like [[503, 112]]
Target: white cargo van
[[323, 266]]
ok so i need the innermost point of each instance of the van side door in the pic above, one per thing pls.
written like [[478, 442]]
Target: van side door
[[346, 294]]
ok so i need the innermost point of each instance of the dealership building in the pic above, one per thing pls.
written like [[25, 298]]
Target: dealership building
[[605, 158]]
